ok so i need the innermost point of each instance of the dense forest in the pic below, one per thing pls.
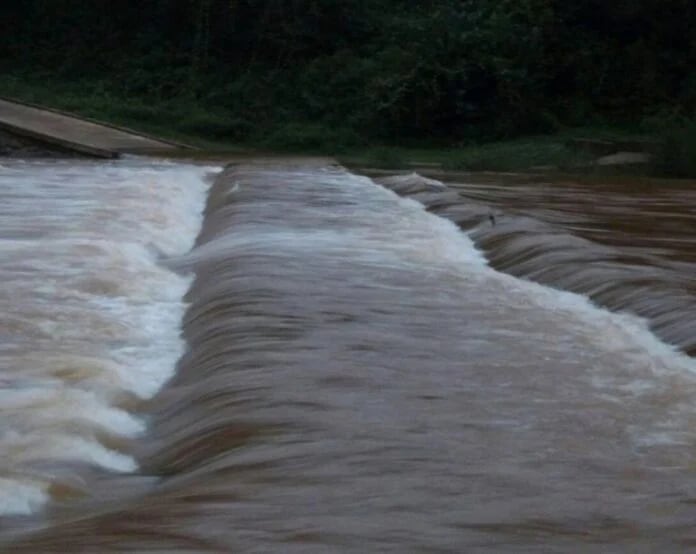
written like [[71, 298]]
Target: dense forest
[[435, 71]]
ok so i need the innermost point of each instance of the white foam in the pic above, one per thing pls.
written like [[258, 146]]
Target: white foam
[[90, 314], [19, 497]]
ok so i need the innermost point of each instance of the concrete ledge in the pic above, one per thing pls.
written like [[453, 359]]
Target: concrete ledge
[[98, 122], [75, 133], [58, 142]]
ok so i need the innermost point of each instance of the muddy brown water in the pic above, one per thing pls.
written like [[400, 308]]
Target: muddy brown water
[[360, 371]]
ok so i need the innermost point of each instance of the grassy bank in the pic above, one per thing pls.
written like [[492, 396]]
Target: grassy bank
[[179, 119], [529, 153], [539, 153], [187, 120]]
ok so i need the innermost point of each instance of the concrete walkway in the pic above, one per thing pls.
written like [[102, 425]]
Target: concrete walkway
[[75, 134]]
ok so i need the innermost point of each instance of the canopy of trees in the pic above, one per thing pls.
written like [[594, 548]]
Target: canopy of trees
[[439, 70]]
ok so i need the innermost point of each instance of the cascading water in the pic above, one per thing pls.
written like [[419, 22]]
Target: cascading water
[[357, 377], [91, 320], [624, 245]]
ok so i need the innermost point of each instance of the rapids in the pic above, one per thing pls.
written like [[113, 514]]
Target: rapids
[[353, 374]]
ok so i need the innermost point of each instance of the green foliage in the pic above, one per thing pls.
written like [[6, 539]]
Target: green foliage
[[676, 153], [383, 157], [539, 152], [309, 137], [332, 75]]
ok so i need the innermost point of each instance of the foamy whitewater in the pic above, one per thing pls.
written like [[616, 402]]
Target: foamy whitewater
[[91, 320], [357, 376]]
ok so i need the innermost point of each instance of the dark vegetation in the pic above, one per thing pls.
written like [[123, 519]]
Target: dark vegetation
[[341, 75]]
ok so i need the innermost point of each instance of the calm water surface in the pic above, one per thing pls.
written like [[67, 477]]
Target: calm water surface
[[319, 364]]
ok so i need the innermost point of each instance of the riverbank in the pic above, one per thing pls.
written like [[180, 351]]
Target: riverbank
[[573, 150]]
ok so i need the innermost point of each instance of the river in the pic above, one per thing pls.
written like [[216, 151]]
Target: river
[[300, 359]]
